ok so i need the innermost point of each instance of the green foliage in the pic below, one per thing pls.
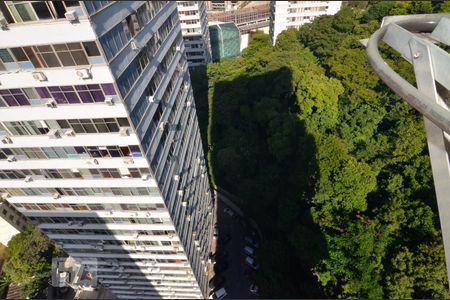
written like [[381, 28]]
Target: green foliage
[[28, 260], [328, 161]]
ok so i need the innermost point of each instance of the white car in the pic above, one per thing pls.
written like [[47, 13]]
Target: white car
[[218, 294], [249, 251], [228, 211], [252, 263], [254, 289], [251, 241]]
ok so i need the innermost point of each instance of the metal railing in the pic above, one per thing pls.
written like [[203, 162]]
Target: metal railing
[[415, 38]]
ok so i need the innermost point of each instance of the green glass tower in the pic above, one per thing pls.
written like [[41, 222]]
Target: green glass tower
[[225, 40]]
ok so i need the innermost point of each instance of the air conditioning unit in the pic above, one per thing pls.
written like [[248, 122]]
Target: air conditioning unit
[[40, 76], [92, 161], [145, 176], [124, 131], [3, 23], [84, 73], [162, 125], [128, 160], [56, 196], [54, 134], [184, 203], [71, 16], [6, 140], [176, 248], [180, 192], [188, 103], [11, 158], [170, 236], [176, 177], [109, 101], [186, 86], [28, 178], [151, 99], [134, 45], [51, 103], [178, 48], [69, 132], [188, 217]]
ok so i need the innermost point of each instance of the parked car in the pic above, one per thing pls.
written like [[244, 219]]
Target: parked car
[[254, 289], [251, 242], [228, 211], [216, 232], [220, 267], [249, 251], [250, 261], [218, 294]]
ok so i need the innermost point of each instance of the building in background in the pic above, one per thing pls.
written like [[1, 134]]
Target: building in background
[[225, 40], [246, 19], [293, 14], [219, 6], [100, 146], [194, 28], [12, 222]]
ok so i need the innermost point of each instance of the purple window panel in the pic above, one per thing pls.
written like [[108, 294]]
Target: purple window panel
[[59, 97], [10, 100], [72, 97], [108, 89], [4, 92], [66, 88], [80, 150], [93, 86], [22, 99], [15, 91], [43, 92], [81, 87], [98, 96], [85, 97], [54, 89]]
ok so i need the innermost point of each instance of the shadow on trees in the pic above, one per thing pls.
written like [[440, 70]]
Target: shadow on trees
[[262, 152]]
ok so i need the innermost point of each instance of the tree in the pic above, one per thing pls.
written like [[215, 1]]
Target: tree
[[28, 259]]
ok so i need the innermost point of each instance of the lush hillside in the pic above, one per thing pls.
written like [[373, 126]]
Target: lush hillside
[[329, 162]]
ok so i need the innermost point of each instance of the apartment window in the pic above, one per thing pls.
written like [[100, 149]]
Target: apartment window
[[25, 11], [61, 94], [13, 97], [93, 6]]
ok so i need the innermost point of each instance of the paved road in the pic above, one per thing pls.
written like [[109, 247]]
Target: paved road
[[238, 275]]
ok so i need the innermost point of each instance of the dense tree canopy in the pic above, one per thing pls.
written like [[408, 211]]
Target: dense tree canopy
[[28, 260], [329, 162]]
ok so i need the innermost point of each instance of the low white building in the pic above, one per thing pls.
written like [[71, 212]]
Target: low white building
[[293, 14]]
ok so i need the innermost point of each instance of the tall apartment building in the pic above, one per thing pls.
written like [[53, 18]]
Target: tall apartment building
[[100, 146], [293, 14], [194, 28]]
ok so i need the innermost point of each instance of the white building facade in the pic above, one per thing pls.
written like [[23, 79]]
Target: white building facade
[[293, 14], [100, 145], [194, 28]]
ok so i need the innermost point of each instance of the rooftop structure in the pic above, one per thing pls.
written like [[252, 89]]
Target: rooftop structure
[[246, 19]]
